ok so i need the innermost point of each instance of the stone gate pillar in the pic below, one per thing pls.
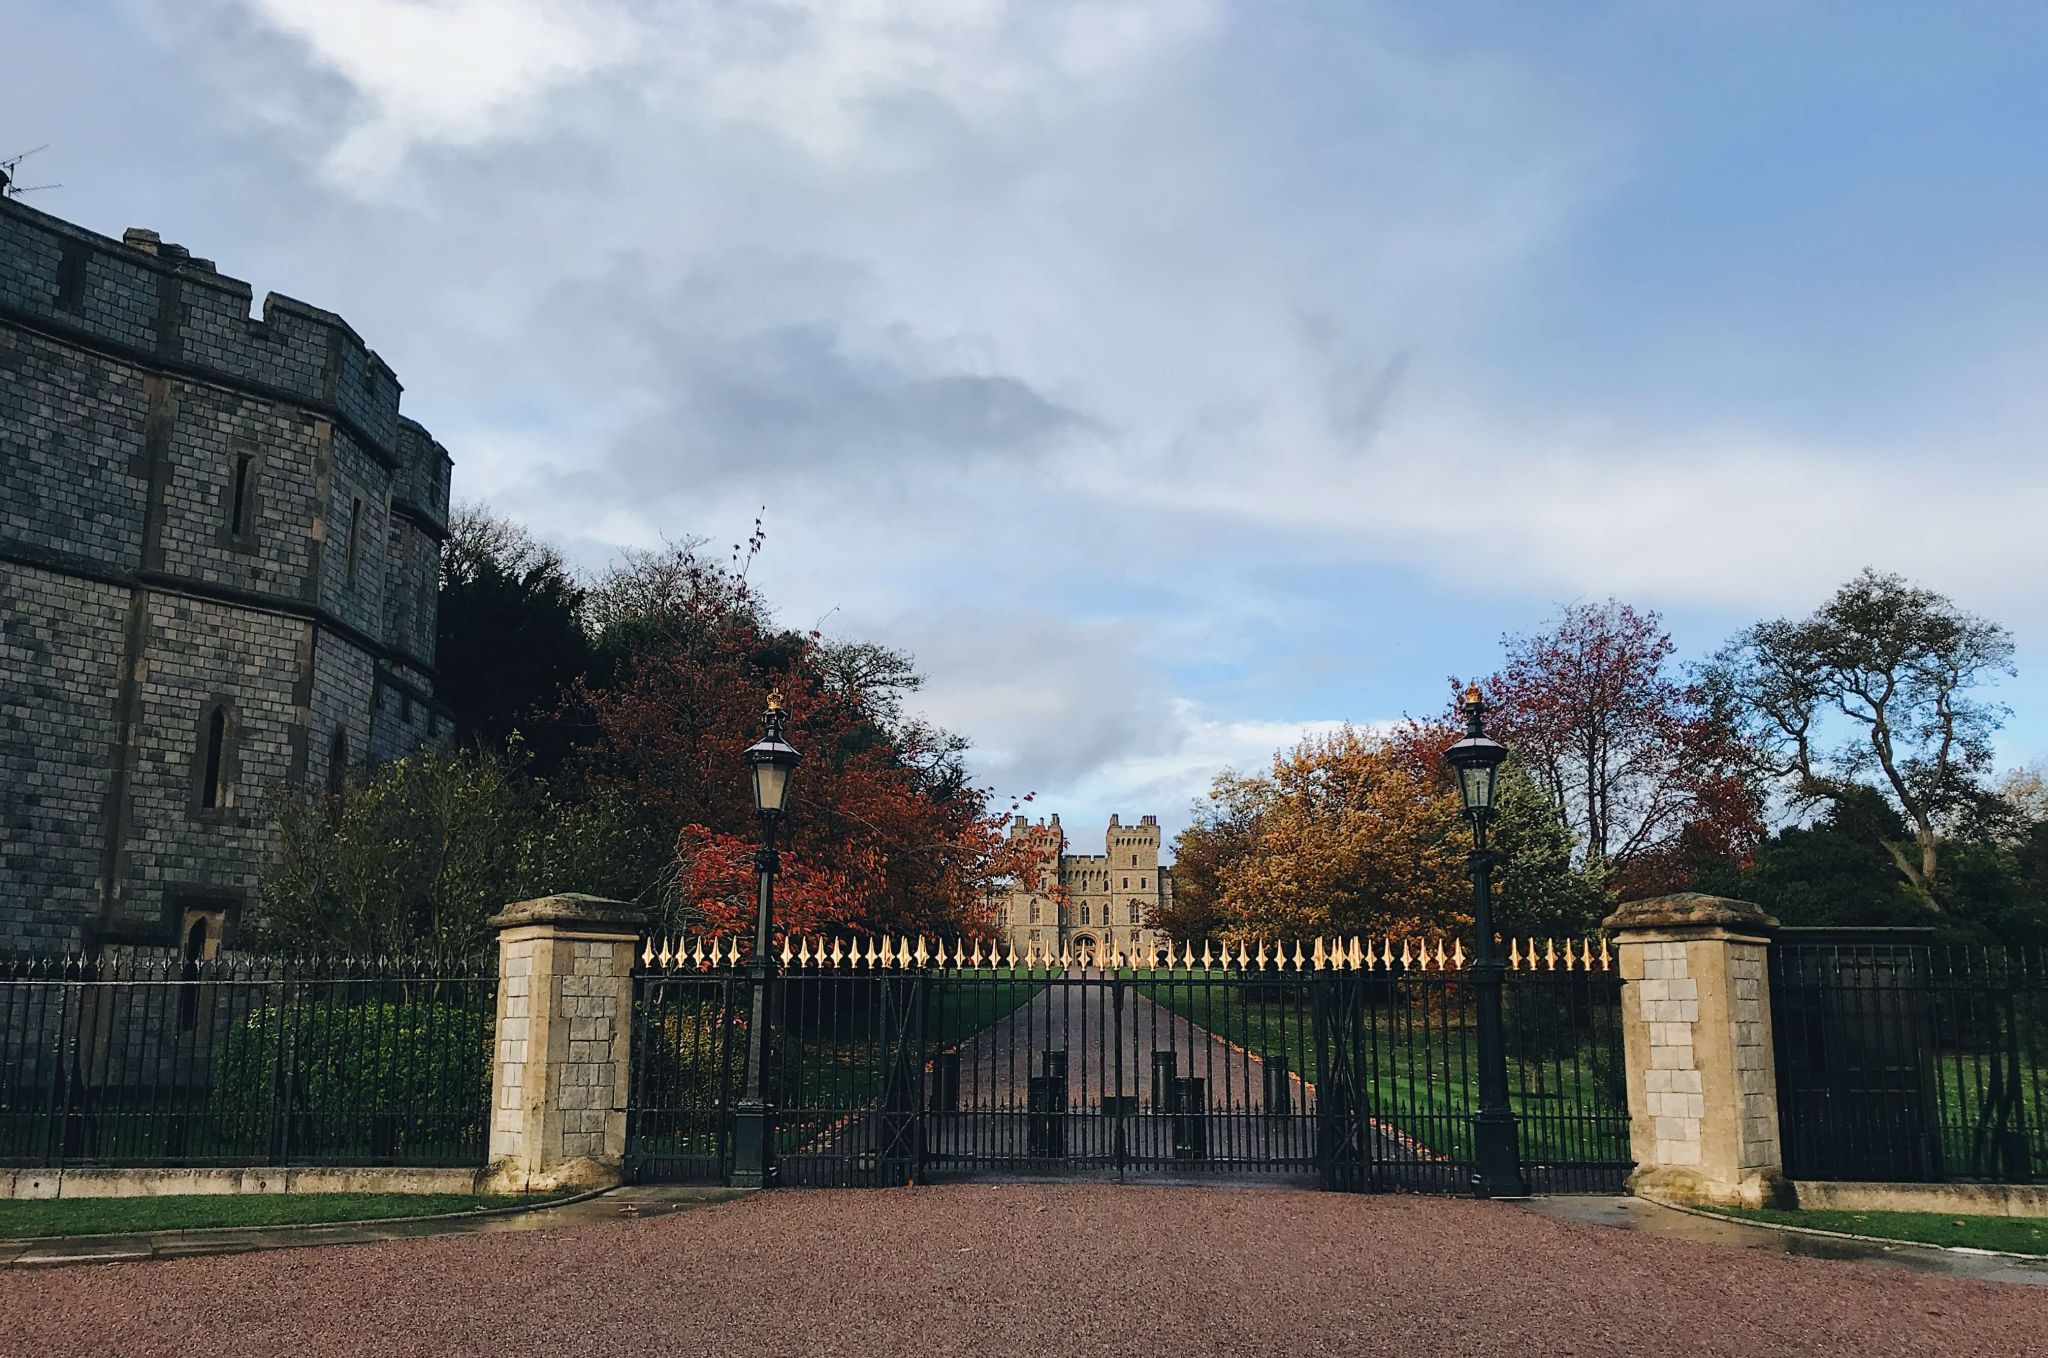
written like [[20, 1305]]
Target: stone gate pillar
[[561, 1063], [1702, 1076]]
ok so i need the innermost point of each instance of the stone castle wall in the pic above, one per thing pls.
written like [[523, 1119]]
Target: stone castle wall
[[1110, 898], [137, 394]]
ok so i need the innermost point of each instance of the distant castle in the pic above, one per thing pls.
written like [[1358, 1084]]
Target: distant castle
[[1107, 902]]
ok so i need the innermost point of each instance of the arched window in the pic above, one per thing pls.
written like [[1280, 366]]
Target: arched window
[[213, 762], [1034, 912], [337, 763], [1084, 912], [1134, 912]]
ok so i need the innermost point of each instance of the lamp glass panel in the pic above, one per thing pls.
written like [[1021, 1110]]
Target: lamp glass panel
[[1476, 785], [771, 785]]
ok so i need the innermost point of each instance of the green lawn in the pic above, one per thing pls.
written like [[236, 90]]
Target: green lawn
[[2016, 1235], [111, 1216], [1423, 1072]]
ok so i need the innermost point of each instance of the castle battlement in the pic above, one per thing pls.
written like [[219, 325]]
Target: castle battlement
[[1108, 901], [145, 299]]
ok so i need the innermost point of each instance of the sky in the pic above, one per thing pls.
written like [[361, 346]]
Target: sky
[[1170, 377]]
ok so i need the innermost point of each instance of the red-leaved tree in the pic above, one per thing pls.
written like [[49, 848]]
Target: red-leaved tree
[[886, 835], [1650, 778]]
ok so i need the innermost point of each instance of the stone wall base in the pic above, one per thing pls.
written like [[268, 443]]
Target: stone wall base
[[1983, 1200], [585, 1174], [1690, 1188], [151, 1183]]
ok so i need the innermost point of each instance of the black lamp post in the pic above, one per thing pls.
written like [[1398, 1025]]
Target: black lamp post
[[771, 760], [1497, 1165]]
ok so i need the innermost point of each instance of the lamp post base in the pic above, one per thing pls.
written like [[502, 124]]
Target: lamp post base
[[1496, 1161], [753, 1154]]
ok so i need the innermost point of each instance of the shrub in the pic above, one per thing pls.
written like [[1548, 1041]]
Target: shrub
[[371, 1080]]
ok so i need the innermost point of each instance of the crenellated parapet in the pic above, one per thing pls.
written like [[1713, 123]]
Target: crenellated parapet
[[145, 299], [419, 489]]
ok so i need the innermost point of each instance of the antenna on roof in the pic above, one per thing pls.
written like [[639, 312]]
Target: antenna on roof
[[9, 174]]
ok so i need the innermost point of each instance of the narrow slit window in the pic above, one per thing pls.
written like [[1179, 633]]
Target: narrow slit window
[[212, 786], [238, 504], [337, 763], [355, 537]]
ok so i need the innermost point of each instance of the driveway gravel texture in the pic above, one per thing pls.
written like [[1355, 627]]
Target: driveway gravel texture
[[998, 1269]]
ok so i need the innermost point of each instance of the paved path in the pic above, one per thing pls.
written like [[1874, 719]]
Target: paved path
[[1015, 1269], [1109, 1050]]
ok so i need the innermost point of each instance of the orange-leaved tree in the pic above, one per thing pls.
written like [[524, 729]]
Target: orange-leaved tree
[[886, 833], [1346, 834]]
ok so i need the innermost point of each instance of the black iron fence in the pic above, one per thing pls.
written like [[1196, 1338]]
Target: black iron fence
[[137, 1061], [1902, 1061], [1348, 1064]]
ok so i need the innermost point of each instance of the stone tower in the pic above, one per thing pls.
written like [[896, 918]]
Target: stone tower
[[1107, 901], [219, 564]]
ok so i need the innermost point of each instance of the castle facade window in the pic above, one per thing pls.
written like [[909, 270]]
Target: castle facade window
[[355, 537], [337, 762], [245, 475], [213, 759]]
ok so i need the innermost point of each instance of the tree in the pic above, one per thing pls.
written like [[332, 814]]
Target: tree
[[416, 857], [1897, 664], [886, 821], [1644, 770], [1222, 833], [511, 638], [1341, 836]]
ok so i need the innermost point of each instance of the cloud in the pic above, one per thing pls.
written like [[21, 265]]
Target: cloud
[[824, 75], [445, 71], [1129, 361], [1193, 744]]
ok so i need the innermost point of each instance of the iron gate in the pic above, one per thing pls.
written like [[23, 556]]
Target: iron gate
[[1899, 1060], [1348, 1065]]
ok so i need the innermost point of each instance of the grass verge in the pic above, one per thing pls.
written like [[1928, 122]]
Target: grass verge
[[2014, 1235], [23, 1217]]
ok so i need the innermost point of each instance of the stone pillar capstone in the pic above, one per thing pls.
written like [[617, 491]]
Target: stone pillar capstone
[[561, 1063], [1702, 1078]]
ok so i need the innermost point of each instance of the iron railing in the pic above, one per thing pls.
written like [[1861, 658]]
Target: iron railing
[[1903, 1061], [137, 1061], [1343, 1063]]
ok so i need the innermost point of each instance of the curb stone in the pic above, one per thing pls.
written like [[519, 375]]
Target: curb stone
[[193, 1242], [1885, 1240]]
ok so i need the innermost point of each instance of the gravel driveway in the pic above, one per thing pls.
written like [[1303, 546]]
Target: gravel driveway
[[1026, 1269]]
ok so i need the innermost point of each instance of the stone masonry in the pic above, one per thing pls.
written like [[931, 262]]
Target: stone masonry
[[1106, 902], [1702, 1088], [560, 1069], [217, 548]]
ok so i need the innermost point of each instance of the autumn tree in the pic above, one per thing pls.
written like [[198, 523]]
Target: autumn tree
[[1340, 836], [888, 835], [1895, 667], [1645, 769]]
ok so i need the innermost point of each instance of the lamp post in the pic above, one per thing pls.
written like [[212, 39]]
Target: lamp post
[[770, 760], [1476, 760]]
